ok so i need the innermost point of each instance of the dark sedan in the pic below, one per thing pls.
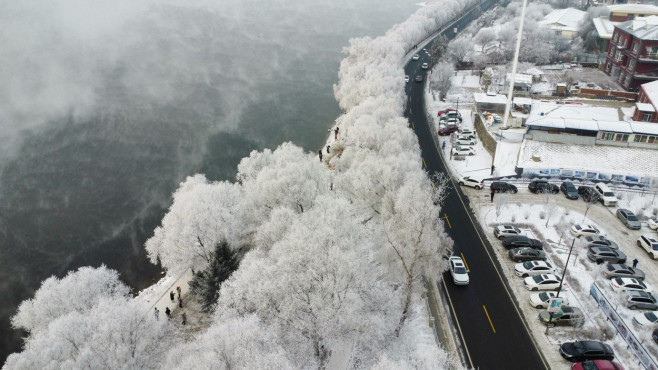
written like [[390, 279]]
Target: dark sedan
[[419, 78], [569, 190], [542, 187], [521, 241], [503, 187], [582, 350], [588, 194], [526, 254]]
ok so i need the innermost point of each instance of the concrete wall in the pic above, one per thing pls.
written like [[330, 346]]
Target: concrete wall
[[585, 92], [483, 135], [560, 138]]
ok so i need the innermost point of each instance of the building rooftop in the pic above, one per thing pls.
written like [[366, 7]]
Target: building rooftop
[[604, 27], [644, 28], [633, 8], [568, 19], [651, 91]]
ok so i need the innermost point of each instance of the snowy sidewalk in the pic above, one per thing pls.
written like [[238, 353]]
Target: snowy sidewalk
[[160, 299]]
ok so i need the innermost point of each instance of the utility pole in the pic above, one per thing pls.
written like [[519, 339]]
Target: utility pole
[[559, 289], [514, 64]]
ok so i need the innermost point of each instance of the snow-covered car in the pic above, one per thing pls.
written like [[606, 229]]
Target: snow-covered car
[[584, 229], [446, 111], [468, 133], [600, 241], [425, 66], [532, 268], [465, 141], [458, 271], [406, 78], [569, 316], [526, 254], [463, 150], [470, 181], [503, 231], [542, 282], [649, 244], [653, 223], [649, 318], [540, 300], [415, 57], [622, 284], [447, 129], [465, 137]]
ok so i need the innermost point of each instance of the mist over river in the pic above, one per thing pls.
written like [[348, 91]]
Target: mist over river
[[105, 106]]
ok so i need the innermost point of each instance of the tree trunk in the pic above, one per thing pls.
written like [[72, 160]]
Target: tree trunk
[[407, 302]]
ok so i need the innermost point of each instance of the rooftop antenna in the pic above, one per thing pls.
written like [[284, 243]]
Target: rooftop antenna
[[514, 64]]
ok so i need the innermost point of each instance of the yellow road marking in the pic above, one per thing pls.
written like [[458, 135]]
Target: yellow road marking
[[487, 313], [466, 264], [445, 215], [424, 164]]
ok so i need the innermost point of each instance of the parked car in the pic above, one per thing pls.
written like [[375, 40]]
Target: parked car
[[569, 190], [465, 141], [649, 318], [526, 254], [532, 268], [653, 223], [654, 335], [415, 57], [542, 282], [463, 150], [503, 231], [584, 229], [447, 130], [582, 350], [597, 365], [467, 132], [649, 244], [541, 300], [521, 241], [602, 254], [458, 271], [425, 66], [568, 315], [601, 241], [419, 78], [406, 78], [623, 284], [450, 114], [628, 218], [449, 121], [615, 270], [446, 111], [503, 187], [588, 193], [606, 196], [466, 137], [470, 181], [543, 186], [641, 300]]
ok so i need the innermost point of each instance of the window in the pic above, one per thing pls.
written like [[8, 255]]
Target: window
[[619, 56], [616, 37], [645, 139], [606, 135], [621, 76], [636, 46], [646, 117], [608, 66], [627, 81], [621, 137], [631, 64]]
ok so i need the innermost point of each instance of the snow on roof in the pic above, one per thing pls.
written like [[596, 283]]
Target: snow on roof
[[604, 27], [651, 90], [615, 126], [521, 78], [631, 161], [645, 107], [571, 111], [534, 71], [644, 28], [650, 128], [493, 99], [522, 101], [564, 19], [633, 8], [563, 123]]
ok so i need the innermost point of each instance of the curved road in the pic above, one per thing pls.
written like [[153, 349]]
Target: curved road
[[492, 329]]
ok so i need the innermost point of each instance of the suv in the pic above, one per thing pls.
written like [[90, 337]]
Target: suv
[[606, 195], [600, 241], [503, 187], [467, 133], [542, 186], [470, 181], [615, 270], [521, 241], [637, 299], [628, 218], [600, 254], [458, 271], [650, 244], [586, 350], [503, 231], [568, 315], [588, 193]]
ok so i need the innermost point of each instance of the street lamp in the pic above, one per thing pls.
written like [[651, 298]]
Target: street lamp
[[559, 289]]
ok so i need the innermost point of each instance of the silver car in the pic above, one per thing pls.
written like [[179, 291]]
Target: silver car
[[615, 270], [642, 300], [605, 254], [628, 218], [600, 241]]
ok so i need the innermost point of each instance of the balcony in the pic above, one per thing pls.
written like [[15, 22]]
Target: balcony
[[649, 57]]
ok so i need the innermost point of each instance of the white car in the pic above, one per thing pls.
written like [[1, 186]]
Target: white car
[[583, 229], [503, 231], [464, 141], [542, 282], [470, 181], [653, 223], [425, 66], [416, 57], [532, 268], [406, 78], [649, 318], [463, 150], [464, 132], [622, 284], [649, 244], [540, 300], [458, 271]]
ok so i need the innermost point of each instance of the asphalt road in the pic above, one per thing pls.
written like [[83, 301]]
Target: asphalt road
[[491, 326]]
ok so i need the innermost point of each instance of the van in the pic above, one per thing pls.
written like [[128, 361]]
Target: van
[[606, 195]]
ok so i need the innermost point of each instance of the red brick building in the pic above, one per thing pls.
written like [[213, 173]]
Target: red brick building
[[633, 53], [647, 101]]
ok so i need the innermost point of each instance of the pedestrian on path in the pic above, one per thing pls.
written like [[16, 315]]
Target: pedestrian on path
[[168, 312], [192, 268], [635, 262], [492, 194], [180, 302], [156, 313], [178, 290], [328, 146], [320, 154], [172, 295], [184, 316], [336, 133], [492, 168], [443, 146]]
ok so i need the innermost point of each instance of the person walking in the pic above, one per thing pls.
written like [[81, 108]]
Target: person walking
[[492, 194], [328, 146], [492, 168], [172, 295], [635, 262], [184, 316], [443, 146], [180, 302], [320, 154], [156, 313], [168, 312], [336, 133], [178, 289]]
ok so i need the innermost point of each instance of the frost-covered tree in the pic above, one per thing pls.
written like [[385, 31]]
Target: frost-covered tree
[[485, 36], [438, 48], [202, 214], [205, 284], [442, 74], [461, 49]]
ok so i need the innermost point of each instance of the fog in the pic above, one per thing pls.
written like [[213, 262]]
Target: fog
[[106, 106]]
